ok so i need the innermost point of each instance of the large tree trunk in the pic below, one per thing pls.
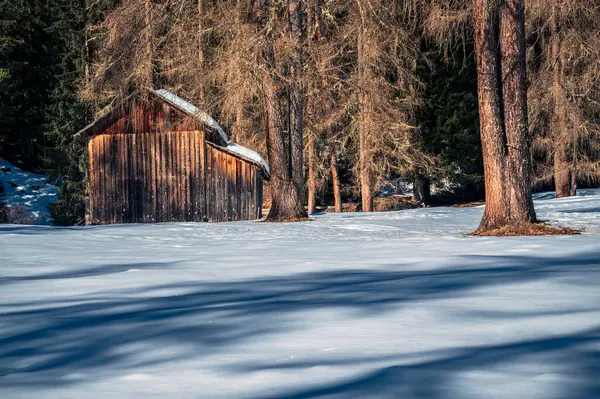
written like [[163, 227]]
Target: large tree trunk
[[335, 178], [486, 20], [500, 49], [364, 149], [285, 150], [514, 73], [561, 167]]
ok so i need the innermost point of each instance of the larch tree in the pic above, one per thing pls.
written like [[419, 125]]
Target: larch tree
[[565, 37], [502, 88], [282, 27], [383, 81]]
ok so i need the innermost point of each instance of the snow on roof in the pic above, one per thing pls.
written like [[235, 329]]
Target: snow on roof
[[191, 109], [249, 154]]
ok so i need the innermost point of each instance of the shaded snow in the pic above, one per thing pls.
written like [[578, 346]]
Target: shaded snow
[[20, 190], [386, 305]]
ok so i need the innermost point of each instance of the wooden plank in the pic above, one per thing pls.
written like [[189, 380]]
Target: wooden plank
[[185, 180], [259, 201], [243, 214], [229, 186], [89, 211], [176, 178], [207, 182], [144, 176], [215, 177], [223, 181], [112, 178], [102, 184], [162, 182], [218, 204], [133, 177], [192, 164], [154, 175], [126, 200], [238, 189], [249, 191], [168, 176], [201, 146], [189, 209], [252, 215], [123, 175]]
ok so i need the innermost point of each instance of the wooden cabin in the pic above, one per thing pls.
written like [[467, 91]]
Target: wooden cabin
[[160, 159]]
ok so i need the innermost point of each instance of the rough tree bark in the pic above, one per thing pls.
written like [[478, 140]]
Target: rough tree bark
[[561, 167], [364, 165], [335, 178], [285, 150], [500, 50]]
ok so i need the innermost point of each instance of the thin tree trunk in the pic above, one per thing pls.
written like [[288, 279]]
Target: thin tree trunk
[[561, 168], [312, 175], [296, 98], [421, 190], [149, 72], [335, 178], [363, 134], [201, 87]]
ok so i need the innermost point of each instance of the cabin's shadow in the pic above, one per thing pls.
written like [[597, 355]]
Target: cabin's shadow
[[119, 328]]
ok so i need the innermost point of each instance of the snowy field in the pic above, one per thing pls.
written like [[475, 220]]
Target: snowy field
[[388, 305]]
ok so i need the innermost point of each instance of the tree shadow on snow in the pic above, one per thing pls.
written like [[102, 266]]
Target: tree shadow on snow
[[121, 329]]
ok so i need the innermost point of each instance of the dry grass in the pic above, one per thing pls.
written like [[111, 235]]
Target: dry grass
[[529, 229], [468, 204], [290, 220]]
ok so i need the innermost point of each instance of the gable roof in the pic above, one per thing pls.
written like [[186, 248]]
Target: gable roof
[[200, 116]]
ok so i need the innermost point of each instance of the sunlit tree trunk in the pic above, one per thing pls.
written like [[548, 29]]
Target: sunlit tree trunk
[[366, 189], [514, 73], [561, 167], [500, 50], [312, 175], [335, 178]]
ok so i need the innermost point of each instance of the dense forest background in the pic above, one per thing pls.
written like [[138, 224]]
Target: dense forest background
[[389, 87]]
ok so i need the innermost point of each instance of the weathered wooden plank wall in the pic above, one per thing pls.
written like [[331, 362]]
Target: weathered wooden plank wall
[[229, 184], [169, 176]]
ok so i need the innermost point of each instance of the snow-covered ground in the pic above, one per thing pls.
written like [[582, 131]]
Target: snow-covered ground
[[28, 190], [387, 305]]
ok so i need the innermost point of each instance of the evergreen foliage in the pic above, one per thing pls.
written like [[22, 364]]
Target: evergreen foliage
[[449, 121]]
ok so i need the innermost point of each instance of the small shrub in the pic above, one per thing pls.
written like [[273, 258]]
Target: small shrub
[[69, 210], [3, 209], [17, 214]]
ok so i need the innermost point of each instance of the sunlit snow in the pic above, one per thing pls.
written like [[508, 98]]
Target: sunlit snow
[[387, 305]]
